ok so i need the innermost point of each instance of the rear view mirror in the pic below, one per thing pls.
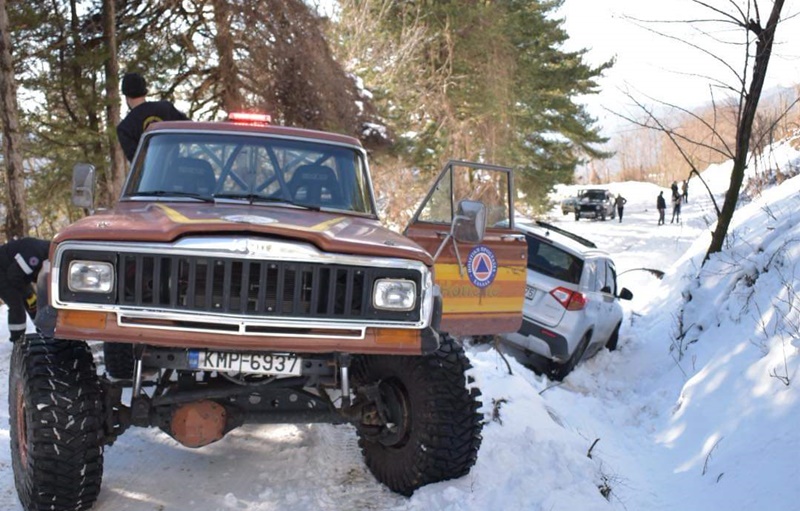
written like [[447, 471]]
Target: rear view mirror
[[469, 225], [83, 185], [625, 294]]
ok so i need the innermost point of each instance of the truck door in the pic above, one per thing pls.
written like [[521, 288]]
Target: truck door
[[483, 283]]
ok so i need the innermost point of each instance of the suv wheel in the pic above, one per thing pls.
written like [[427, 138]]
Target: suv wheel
[[432, 427], [119, 359], [611, 344], [560, 371], [55, 414]]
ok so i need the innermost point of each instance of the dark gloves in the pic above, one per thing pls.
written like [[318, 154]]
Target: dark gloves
[[16, 335]]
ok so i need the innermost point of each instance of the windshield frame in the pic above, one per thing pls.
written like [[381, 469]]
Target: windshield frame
[[361, 187]]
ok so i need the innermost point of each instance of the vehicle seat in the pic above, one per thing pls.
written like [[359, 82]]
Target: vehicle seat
[[316, 184], [191, 175]]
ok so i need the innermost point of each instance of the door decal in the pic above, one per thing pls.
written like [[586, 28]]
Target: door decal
[[481, 266]]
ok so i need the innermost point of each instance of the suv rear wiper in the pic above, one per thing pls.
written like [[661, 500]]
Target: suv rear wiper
[[165, 193]]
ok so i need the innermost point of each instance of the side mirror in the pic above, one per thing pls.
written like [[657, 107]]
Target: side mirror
[[625, 294], [469, 225], [83, 185]]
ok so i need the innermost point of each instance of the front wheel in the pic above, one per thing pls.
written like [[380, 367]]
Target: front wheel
[[56, 430], [425, 426]]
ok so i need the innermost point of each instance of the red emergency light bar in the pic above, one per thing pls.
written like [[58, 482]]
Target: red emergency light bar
[[249, 118]]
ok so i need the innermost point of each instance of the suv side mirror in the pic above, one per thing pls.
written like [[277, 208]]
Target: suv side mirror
[[469, 225], [625, 294], [83, 185]]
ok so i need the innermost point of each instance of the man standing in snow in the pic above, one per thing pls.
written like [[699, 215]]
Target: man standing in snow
[[674, 190], [20, 262], [619, 202], [142, 114], [685, 190], [676, 209], [661, 205]]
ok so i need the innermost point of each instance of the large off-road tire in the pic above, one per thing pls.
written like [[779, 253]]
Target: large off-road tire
[[433, 431], [611, 344], [119, 359], [560, 371], [55, 414]]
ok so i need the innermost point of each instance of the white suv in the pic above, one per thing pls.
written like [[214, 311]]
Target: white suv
[[571, 307]]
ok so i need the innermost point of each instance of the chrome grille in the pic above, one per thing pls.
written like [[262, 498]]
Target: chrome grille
[[250, 287]]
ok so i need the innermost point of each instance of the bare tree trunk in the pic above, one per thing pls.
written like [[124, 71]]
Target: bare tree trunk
[[15, 225], [228, 74], [765, 37], [116, 176]]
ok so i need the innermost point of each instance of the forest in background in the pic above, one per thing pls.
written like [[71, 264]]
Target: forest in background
[[646, 154], [419, 82]]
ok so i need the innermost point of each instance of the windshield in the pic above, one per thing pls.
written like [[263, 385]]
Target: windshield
[[595, 195], [209, 166]]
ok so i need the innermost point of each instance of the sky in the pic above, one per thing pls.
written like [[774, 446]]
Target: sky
[[666, 69], [696, 411]]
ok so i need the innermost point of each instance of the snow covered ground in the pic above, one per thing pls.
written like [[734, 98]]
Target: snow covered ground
[[697, 410]]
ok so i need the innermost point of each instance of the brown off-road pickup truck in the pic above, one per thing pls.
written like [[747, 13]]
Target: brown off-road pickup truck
[[244, 277]]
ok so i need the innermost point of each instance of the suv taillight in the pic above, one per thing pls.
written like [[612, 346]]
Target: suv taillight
[[570, 300]]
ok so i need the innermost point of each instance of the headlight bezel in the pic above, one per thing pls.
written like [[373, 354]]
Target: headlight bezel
[[69, 292]]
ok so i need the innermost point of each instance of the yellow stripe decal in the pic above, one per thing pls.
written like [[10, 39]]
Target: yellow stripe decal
[[180, 218], [459, 295]]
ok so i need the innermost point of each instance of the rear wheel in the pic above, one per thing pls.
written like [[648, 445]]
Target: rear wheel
[[611, 344], [560, 371], [119, 359], [55, 415], [431, 430]]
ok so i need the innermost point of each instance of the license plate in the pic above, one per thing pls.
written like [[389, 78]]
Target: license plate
[[529, 293], [287, 364]]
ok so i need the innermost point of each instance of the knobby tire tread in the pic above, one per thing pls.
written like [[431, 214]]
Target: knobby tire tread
[[446, 425], [63, 403]]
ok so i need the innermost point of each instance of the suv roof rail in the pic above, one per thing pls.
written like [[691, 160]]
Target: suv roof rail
[[582, 241]]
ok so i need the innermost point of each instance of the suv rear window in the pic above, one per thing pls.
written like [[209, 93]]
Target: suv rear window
[[552, 261]]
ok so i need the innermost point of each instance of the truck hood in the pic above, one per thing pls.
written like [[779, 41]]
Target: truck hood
[[165, 222]]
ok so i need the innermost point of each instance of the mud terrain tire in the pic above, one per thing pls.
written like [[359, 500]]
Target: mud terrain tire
[[55, 410], [436, 433], [119, 359]]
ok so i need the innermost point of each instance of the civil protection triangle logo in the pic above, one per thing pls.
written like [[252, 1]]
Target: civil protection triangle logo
[[481, 266]]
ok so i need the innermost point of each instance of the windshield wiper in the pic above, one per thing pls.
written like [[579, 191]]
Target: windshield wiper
[[251, 197], [165, 193], [254, 197]]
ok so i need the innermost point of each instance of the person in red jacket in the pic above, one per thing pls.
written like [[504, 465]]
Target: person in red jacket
[[142, 113], [20, 262]]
